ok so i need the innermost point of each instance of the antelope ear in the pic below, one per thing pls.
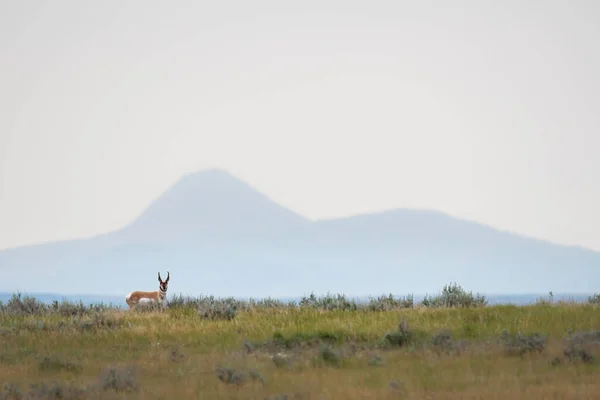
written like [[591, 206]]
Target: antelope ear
[[168, 277], [160, 280]]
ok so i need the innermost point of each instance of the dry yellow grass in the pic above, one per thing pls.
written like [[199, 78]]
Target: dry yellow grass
[[176, 354]]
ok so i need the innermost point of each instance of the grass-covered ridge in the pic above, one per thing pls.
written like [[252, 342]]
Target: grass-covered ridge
[[452, 345]]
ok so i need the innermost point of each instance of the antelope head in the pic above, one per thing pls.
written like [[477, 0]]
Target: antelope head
[[163, 284]]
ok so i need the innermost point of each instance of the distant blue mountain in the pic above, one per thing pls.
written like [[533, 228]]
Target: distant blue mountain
[[217, 235], [212, 205]]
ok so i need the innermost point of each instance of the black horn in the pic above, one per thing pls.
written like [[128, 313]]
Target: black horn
[[160, 280], [167, 277]]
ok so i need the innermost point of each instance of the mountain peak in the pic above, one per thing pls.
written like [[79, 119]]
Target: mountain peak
[[209, 173], [213, 202]]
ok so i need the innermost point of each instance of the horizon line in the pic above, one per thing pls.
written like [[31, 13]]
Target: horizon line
[[324, 294]]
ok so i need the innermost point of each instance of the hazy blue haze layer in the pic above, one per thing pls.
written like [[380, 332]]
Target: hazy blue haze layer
[[522, 299]]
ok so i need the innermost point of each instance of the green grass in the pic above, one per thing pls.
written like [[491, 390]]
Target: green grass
[[302, 352]]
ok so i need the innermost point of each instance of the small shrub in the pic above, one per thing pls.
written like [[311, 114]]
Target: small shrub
[[522, 344], [454, 296], [329, 356], [119, 379], [580, 346], [55, 363], [394, 385], [10, 391], [57, 390], [105, 321], [230, 376], [248, 347], [19, 305], [45, 391], [219, 311], [576, 353], [375, 360], [209, 307], [178, 301], [401, 337], [176, 354], [591, 338], [148, 307], [268, 303], [442, 341], [389, 303], [594, 299], [70, 309], [281, 360], [328, 302], [302, 340], [23, 305], [256, 376]]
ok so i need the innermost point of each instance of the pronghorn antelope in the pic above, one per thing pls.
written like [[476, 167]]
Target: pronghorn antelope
[[159, 296]]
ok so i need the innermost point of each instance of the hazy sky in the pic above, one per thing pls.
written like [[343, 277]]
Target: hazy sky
[[486, 110]]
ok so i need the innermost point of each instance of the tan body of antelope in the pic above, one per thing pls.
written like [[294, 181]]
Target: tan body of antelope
[[157, 297]]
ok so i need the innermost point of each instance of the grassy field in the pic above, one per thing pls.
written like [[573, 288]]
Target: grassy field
[[321, 349]]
